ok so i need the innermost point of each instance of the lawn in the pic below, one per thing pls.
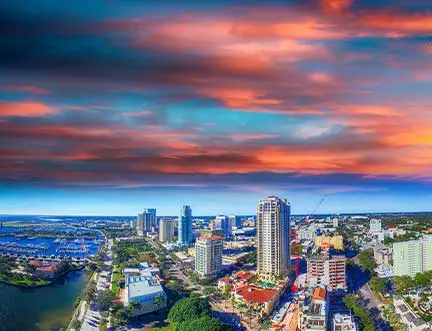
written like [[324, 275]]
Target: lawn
[[115, 278]]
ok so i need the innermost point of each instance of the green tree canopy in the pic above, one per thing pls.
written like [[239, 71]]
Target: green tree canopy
[[203, 323], [378, 284], [188, 309]]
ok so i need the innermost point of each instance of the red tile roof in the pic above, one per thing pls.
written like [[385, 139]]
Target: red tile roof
[[319, 294], [244, 275], [35, 263], [256, 294], [50, 268]]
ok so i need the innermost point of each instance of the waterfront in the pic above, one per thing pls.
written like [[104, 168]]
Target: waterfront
[[47, 308]]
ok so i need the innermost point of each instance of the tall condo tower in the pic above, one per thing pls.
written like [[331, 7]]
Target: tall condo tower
[[185, 226], [273, 238]]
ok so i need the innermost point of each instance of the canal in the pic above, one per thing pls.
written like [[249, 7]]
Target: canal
[[46, 308]]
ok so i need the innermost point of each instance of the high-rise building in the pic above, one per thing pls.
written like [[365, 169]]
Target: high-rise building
[[236, 221], [166, 229], [208, 256], [185, 226], [413, 256], [147, 220], [375, 225], [223, 223], [273, 238], [327, 271]]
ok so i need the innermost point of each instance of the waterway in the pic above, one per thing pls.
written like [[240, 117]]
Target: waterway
[[40, 309]]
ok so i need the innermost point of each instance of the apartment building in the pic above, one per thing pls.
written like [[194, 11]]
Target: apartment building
[[208, 256], [327, 271]]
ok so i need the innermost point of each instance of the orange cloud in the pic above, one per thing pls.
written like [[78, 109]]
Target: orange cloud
[[25, 109], [336, 6]]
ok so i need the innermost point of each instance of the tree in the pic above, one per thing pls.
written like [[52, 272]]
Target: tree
[[388, 240], [203, 323], [104, 299], [366, 260], [89, 291], [159, 300], [133, 305], [378, 284], [209, 290], [188, 309], [421, 279]]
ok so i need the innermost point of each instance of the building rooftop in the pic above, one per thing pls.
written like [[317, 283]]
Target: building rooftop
[[256, 294], [210, 238], [319, 294], [140, 286]]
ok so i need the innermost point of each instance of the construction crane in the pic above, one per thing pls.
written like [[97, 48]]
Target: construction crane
[[296, 242]]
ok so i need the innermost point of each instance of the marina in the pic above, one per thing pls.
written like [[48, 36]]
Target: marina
[[17, 244]]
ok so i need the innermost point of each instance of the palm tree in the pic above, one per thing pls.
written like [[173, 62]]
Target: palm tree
[[159, 300], [133, 305]]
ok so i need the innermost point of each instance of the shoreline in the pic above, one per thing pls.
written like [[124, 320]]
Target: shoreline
[[46, 282]]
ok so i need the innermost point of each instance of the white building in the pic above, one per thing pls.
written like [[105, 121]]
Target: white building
[[413, 256], [208, 256], [306, 234], [375, 226], [166, 230], [223, 223], [145, 290], [273, 238], [409, 318], [344, 322]]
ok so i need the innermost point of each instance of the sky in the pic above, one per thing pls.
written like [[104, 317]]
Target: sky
[[109, 106]]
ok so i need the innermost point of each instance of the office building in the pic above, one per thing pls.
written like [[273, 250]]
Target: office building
[[166, 230], [208, 256], [375, 226], [335, 241], [185, 226], [327, 271], [413, 256], [235, 221], [223, 223], [344, 322], [273, 238]]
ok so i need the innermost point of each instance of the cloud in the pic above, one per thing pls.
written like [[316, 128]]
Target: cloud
[[25, 109]]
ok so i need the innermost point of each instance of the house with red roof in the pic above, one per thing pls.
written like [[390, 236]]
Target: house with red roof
[[47, 272], [259, 298]]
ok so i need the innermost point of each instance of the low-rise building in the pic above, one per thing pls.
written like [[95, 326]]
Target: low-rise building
[[313, 316], [259, 298], [335, 241], [146, 291], [48, 271], [409, 318], [344, 322]]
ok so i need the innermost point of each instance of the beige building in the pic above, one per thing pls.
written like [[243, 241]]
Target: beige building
[[335, 241], [273, 238], [208, 256], [166, 230], [327, 271]]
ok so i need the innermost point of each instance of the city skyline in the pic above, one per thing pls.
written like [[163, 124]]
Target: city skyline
[[107, 109]]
